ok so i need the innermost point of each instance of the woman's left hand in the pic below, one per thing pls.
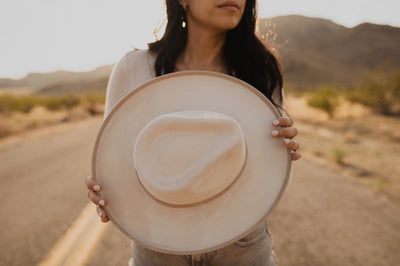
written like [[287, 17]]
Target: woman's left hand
[[283, 128]]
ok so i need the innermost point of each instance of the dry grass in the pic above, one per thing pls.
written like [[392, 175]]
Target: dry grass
[[39, 117], [21, 111], [357, 142]]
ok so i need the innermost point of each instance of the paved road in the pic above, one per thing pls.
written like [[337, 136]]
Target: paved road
[[327, 219], [323, 218], [42, 188]]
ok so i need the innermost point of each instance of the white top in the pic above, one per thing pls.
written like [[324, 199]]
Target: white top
[[134, 68]]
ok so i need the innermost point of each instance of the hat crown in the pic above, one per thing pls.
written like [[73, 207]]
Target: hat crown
[[189, 157]]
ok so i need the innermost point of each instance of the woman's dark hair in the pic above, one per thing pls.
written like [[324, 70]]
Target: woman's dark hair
[[245, 55]]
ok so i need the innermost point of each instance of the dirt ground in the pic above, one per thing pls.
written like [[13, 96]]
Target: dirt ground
[[16, 122], [356, 142]]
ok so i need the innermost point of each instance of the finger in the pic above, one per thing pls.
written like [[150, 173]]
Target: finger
[[102, 214], [282, 122], [291, 144], [95, 198], [91, 185], [106, 219], [295, 156], [287, 132]]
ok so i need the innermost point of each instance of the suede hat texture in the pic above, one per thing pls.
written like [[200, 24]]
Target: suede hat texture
[[188, 164]]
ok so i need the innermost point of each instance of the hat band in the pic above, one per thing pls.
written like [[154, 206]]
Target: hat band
[[189, 205]]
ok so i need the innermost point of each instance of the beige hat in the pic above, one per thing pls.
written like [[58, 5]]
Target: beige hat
[[188, 164]]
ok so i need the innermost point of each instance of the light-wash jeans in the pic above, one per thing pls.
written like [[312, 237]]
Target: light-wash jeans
[[254, 249]]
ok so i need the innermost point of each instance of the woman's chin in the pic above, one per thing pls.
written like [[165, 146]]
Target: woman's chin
[[227, 24]]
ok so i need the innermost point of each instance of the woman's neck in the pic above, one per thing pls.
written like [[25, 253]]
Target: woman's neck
[[203, 51]]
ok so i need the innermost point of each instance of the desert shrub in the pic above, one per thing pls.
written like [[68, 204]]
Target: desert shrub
[[379, 184], [8, 103], [93, 102], [12, 103], [338, 154], [324, 98], [379, 91], [95, 98], [31, 124], [70, 101], [54, 103], [26, 103]]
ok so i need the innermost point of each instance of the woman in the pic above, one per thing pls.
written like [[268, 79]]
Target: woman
[[212, 35]]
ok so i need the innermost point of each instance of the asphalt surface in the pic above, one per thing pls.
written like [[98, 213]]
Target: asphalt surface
[[42, 188], [322, 219]]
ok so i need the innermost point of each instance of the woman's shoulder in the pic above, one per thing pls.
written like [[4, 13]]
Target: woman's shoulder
[[140, 54], [137, 66], [139, 60], [133, 69]]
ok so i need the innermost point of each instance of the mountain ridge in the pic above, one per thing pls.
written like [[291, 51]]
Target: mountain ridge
[[316, 51], [312, 51]]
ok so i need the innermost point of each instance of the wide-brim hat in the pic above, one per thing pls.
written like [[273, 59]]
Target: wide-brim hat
[[188, 164]]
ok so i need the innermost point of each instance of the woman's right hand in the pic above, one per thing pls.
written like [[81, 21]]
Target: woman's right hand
[[93, 195]]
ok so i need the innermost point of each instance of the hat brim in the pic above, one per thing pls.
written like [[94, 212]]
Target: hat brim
[[216, 223]]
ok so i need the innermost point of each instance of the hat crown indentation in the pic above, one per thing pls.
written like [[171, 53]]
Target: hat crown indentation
[[188, 157]]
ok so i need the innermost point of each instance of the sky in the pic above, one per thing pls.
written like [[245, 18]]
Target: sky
[[80, 35]]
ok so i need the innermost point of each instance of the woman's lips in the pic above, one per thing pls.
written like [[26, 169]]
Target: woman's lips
[[229, 5]]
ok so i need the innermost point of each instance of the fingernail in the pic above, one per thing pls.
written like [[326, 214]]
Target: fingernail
[[275, 122], [275, 133], [101, 202], [100, 214], [96, 187], [287, 141]]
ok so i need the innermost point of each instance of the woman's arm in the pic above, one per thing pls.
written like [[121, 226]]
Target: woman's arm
[[118, 84], [116, 89]]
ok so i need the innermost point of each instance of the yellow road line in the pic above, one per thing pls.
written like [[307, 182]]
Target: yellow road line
[[77, 244]]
